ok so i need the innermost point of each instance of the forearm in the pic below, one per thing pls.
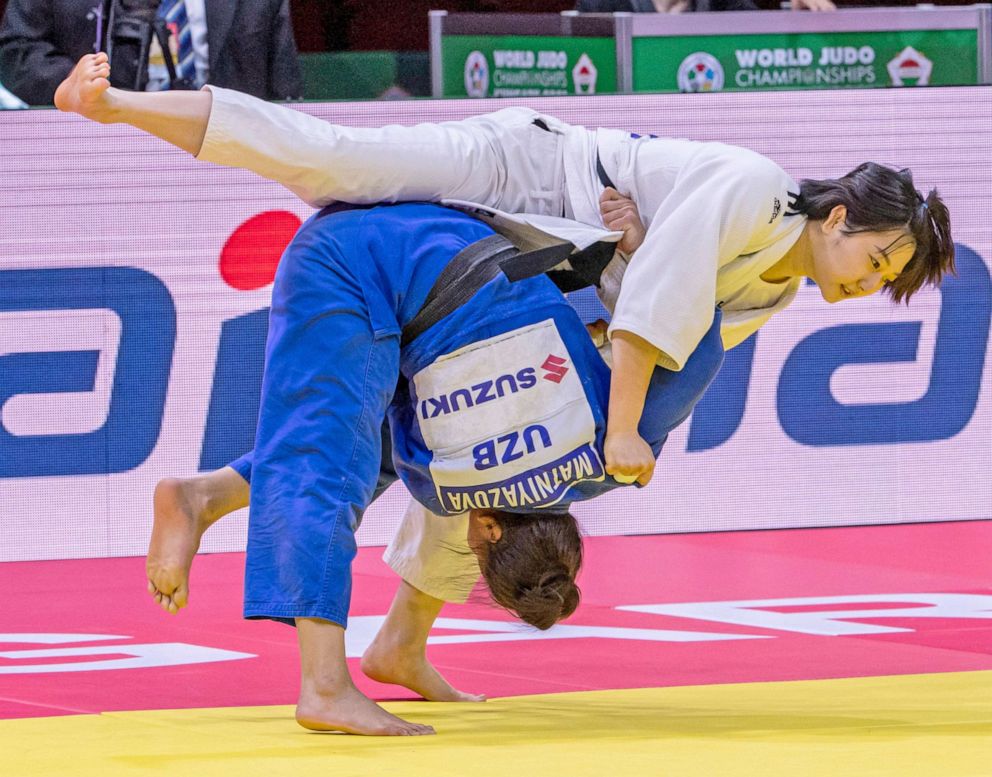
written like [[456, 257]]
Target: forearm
[[634, 360]]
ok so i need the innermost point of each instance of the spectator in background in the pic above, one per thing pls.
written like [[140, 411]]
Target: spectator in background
[[242, 44], [685, 6]]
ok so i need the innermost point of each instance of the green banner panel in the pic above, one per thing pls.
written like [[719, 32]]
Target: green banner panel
[[830, 60], [527, 66], [365, 75]]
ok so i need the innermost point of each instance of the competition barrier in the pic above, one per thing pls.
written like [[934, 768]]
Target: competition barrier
[[545, 55], [134, 285]]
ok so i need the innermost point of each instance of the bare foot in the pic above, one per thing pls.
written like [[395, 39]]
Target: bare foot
[[353, 713], [390, 663], [84, 91], [181, 517]]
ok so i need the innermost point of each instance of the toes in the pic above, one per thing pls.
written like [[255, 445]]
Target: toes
[[181, 595], [416, 729]]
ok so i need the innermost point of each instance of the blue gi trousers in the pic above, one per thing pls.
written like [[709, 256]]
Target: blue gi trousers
[[342, 294]]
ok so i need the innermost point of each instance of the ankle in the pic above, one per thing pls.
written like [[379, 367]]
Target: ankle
[[326, 690], [205, 503], [392, 651]]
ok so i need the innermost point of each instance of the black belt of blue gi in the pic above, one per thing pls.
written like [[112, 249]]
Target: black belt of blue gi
[[474, 266]]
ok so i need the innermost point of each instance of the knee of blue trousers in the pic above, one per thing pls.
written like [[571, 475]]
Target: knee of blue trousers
[[387, 472], [314, 473]]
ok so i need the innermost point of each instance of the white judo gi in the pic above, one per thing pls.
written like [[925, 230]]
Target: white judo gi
[[717, 217]]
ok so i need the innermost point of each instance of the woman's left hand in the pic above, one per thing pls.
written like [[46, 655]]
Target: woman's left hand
[[629, 459], [620, 215]]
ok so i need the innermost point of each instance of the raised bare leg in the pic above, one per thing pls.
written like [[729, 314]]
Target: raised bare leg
[[179, 117], [184, 510], [329, 700], [397, 655]]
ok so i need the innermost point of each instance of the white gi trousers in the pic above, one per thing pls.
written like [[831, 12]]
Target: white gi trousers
[[500, 159], [431, 553]]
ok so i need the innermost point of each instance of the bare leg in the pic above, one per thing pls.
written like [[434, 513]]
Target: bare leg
[[184, 510], [329, 700], [397, 655], [179, 118]]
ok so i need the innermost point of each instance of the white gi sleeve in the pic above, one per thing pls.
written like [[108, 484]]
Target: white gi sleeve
[[719, 208]]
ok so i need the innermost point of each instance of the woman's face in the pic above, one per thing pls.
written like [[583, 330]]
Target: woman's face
[[849, 265]]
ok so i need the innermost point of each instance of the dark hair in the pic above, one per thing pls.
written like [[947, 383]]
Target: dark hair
[[531, 569], [880, 198]]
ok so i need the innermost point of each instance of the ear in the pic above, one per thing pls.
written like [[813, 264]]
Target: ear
[[489, 527], [835, 219]]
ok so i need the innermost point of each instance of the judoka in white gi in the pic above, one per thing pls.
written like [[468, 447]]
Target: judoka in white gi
[[724, 225]]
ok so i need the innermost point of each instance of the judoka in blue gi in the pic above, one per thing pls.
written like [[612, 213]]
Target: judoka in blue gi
[[496, 400]]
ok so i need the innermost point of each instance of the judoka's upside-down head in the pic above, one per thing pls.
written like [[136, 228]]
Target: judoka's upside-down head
[[530, 562]]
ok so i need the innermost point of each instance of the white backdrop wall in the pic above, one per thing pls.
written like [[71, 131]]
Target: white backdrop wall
[[126, 356]]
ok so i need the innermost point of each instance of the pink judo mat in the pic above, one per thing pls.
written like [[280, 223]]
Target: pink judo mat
[[84, 636]]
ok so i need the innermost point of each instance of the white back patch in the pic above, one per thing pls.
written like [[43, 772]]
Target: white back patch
[[508, 421]]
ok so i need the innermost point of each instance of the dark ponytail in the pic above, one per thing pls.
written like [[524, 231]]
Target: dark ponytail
[[531, 569], [880, 198]]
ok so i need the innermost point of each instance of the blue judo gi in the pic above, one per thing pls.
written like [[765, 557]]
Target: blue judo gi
[[501, 404]]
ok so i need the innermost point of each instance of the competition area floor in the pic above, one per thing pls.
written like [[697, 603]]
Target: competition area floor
[[855, 651]]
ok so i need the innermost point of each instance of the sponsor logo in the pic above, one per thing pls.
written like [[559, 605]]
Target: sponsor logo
[[825, 618], [530, 73], [700, 72], [476, 74], [776, 209], [129, 373], [91, 658], [802, 67], [910, 68], [122, 380], [479, 393], [554, 368], [584, 75]]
